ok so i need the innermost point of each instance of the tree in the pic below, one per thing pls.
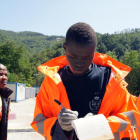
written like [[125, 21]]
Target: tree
[[13, 57], [132, 59], [120, 50], [101, 48]]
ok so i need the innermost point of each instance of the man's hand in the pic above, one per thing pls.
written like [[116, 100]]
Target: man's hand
[[65, 117]]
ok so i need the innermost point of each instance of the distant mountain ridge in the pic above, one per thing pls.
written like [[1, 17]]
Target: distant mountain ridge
[[32, 41]]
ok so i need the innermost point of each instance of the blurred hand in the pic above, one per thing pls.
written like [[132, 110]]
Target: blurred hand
[[65, 117]]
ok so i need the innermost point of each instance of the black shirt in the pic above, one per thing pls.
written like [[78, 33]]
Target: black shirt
[[5, 93], [86, 92]]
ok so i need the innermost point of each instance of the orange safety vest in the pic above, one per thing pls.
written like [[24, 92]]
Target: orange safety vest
[[118, 105]]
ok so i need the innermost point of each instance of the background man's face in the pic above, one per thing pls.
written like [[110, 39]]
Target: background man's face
[[3, 76], [79, 56]]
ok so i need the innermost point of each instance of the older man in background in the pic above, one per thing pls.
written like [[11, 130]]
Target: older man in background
[[4, 102]]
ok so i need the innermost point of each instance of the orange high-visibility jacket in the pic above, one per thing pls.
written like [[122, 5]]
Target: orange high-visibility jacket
[[118, 105]]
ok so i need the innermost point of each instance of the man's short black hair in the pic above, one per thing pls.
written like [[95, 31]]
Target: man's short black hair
[[81, 33]]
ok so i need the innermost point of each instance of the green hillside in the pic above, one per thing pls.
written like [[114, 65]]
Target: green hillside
[[32, 41], [22, 52]]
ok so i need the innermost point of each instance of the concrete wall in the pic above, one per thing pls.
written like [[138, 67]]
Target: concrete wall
[[30, 91]]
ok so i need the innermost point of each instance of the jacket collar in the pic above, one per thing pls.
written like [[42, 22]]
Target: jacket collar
[[51, 67], [6, 92], [120, 70]]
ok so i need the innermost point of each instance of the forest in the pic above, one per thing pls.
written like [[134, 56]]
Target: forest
[[22, 52]]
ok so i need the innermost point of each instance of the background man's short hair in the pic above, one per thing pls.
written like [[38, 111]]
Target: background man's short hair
[[81, 33]]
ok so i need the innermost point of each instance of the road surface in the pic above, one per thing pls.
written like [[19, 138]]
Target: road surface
[[19, 128]]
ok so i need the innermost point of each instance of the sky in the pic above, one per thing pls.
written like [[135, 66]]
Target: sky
[[54, 17]]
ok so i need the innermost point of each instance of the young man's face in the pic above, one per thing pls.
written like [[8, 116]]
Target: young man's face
[[3, 76], [79, 56]]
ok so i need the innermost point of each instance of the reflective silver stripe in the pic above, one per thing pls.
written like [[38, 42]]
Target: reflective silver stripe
[[131, 117], [40, 126], [138, 128], [123, 124], [40, 117], [117, 136], [46, 138]]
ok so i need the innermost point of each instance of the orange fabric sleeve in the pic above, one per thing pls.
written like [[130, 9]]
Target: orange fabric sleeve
[[43, 116], [123, 120]]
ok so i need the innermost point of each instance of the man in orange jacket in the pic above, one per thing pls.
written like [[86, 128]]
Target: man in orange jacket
[[84, 82]]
